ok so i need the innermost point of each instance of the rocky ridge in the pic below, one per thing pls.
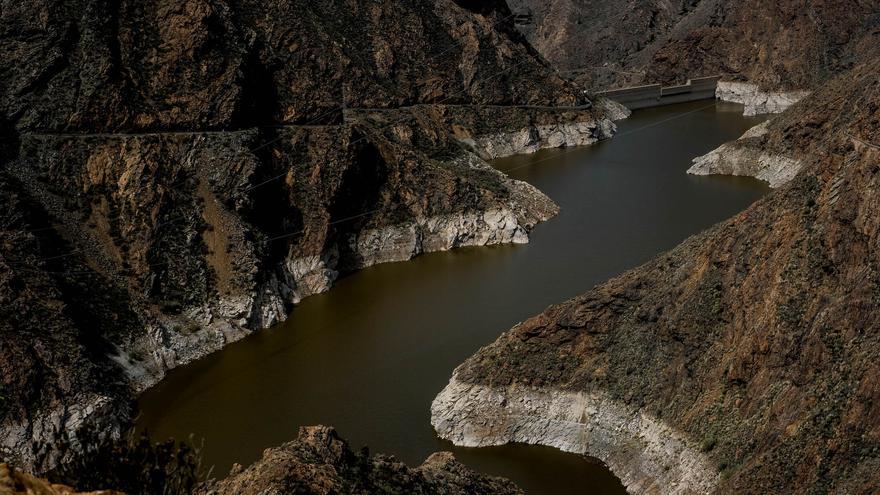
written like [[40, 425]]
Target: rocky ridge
[[751, 345], [178, 175], [317, 462], [320, 462]]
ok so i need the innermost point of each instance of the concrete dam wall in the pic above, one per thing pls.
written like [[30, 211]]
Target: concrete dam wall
[[655, 95]]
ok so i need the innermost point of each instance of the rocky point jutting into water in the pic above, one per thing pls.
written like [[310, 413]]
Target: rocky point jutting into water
[[320, 462], [748, 157], [179, 174], [742, 361]]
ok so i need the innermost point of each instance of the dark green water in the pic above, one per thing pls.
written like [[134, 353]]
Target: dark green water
[[369, 356]]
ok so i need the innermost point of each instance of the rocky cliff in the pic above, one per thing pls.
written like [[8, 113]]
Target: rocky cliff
[[178, 174], [742, 361], [777, 47]]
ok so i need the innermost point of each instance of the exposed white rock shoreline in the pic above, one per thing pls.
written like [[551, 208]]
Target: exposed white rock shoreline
[[536, 138], [202, 331], [738, 158], [207, 329], [560, 135], [755, 100], [170, 342], [647, 455]]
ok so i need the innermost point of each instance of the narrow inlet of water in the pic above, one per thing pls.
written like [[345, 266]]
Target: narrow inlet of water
[[369, 356]]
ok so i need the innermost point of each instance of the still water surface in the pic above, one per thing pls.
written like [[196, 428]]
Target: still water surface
[[369, 356]]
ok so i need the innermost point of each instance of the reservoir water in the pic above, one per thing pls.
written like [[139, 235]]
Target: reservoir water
[[370, 355]]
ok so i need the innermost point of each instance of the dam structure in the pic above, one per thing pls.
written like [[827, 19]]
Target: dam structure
[[656, 95]]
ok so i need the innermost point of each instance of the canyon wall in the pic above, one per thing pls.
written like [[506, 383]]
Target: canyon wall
[[179, 174], [742, 361], [778, 47]]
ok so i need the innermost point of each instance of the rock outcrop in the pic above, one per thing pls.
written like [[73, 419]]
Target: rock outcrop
[[643, 452], [14, 482], [320, 462], [756, 101], [746, 157], [750, 351], [179, 174]]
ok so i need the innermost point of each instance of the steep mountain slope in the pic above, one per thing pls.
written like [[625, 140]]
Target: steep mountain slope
[[178, 174], [92, 66], [780, 46], [743, 361], [595, 37], [317, 462]]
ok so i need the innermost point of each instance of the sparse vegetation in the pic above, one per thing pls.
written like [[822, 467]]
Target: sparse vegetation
[[3, 404], [708, 444], [134, 464]]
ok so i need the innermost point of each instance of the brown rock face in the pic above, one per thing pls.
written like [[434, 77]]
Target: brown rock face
[[758, 340], [87, 66], [779, 46], [178, 174], [319, 462]]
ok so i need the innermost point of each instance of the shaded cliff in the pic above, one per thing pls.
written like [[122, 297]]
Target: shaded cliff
[[779, 46], [742, 361], [178, 174]]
